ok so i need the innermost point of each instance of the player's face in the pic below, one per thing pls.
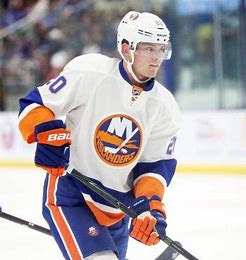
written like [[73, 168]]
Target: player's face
[[147, 60]]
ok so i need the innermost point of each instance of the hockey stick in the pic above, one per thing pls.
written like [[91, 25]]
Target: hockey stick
[[167, 254], [128, 211], [24, 222]]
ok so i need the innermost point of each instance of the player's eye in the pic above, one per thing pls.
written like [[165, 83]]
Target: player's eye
[[149, 49], [163, 49]]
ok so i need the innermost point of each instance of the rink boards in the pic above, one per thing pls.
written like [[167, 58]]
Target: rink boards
[[209, 142]]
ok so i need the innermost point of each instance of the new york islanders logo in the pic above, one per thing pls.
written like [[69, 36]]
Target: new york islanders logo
[[118, 140]]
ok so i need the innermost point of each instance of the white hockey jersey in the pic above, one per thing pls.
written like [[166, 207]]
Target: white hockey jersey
[[120, 134]]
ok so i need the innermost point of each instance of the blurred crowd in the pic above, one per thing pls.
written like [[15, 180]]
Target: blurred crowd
[[38, 37]]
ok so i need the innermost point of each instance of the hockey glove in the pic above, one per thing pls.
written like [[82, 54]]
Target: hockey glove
[[150, 225], [53, 141]]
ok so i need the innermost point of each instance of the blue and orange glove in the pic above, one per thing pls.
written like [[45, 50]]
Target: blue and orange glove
[[150, 225], [52, 151]]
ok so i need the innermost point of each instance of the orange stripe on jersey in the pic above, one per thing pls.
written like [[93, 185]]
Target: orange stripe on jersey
[[149, 186], [104, 218], [60, 221], [36, 116]]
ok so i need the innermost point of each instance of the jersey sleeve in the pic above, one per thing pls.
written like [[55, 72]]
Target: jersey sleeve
[[157, 163], [49, 101], [60, 95]]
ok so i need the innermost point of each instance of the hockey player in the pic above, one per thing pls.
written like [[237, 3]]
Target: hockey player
[[120, 130]]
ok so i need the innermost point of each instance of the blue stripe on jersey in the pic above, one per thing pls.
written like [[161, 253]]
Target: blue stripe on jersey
[[125, 197], [32, 97], [150, 83], [165, 168], [123, 72]]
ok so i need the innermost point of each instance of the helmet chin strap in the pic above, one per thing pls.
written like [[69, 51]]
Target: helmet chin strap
[[129, 68]]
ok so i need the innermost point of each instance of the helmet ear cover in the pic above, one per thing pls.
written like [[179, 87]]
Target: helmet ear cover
[[130, 51]]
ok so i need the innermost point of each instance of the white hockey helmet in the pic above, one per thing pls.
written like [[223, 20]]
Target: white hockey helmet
[[138, 27]]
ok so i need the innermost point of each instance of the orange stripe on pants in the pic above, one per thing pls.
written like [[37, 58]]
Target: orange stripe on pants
[[60, 221]]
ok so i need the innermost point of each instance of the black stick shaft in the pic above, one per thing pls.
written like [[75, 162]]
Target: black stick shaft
[[25, 223], [115, 202]]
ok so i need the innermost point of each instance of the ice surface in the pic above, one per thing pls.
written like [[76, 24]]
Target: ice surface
[[206, 213]]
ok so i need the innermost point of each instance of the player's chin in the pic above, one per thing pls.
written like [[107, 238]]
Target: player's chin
[[152, 73], [153, 70]]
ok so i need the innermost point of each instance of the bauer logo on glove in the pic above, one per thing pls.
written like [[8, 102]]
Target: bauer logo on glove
[[53, 141], [56, 137]]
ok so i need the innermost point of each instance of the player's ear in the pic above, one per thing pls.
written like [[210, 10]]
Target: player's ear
[[126, 51]]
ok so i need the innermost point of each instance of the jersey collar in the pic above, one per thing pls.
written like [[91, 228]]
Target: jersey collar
[[150, 83]]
